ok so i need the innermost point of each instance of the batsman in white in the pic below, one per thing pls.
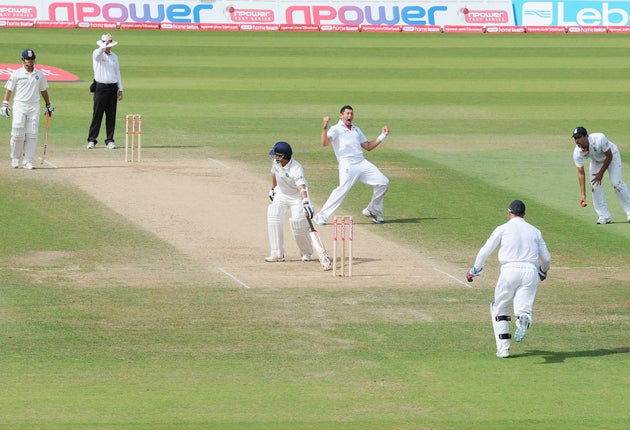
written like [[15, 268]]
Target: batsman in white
[[289, 191], [348, 142], [524, 260], [604, 157], [26, 84]]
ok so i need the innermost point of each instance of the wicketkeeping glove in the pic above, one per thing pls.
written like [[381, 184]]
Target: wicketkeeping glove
[[5, 110], [308, 209], [542, 275], [272, 194], [49, 110], [472, 273]]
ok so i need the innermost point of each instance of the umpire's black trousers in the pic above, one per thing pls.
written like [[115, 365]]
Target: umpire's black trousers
[[105, 102]]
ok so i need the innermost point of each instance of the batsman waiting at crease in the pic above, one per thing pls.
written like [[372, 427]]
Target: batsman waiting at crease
[[26, 84], [289, 190], [522, 248]]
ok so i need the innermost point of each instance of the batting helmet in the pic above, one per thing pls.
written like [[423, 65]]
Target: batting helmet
[[28, 54], [281, 148]]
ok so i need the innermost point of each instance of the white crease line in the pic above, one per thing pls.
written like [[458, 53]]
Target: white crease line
[[219, 163], [453, 277], [50, 164], [234, 278]]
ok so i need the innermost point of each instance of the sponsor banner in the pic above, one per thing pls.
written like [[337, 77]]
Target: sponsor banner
[[17, 24], [462, 29], [423, 29], [505, 29], [345, 28], [260, 27], [180, 27], [587, 30], [618, 29], [344, 13], [53, 74], [139, 26], [545, 29], [380, 28], [55, 24], [101, 25], [582, 13], [299, 28], [219, 27]]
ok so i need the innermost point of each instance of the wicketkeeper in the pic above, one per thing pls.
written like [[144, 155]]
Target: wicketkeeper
[[26, 84], [525, 260], [289, 191]]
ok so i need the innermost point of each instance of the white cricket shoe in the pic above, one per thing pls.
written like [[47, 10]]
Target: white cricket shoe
[[15, 162], [604, 221], [320, 220], [274, 259], [28, 165], [377, 219], [91, 145], [306, 258], [504, 353], [111, 145], [522, 324]]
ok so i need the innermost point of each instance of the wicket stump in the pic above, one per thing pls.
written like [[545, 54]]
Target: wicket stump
[[343, 231], [133, 137]]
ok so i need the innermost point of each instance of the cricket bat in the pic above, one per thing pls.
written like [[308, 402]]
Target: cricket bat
[[319, 246], [43, 157]]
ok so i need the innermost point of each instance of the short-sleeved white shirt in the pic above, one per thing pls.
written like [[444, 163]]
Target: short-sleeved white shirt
[[346, 142], [26, 87], [289, 177], [598, 143]]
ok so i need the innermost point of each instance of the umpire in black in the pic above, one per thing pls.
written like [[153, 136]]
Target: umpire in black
[[108, 90]]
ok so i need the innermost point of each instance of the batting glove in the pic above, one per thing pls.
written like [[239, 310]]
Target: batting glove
[[49, 110], [542, 275], [5, 110], [308, 209], [472, 273], [272, 194]]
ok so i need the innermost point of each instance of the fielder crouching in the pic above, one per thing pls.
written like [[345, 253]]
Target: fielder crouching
[[289, 190]]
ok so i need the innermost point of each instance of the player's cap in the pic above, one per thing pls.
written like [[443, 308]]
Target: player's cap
[[28, 54], [517, 207], [282, 148], [103, 41], [579, 132]]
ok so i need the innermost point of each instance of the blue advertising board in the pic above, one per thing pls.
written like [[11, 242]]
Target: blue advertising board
[[582, 13]]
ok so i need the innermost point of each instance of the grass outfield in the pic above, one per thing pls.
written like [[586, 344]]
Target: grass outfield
[[477, 120]]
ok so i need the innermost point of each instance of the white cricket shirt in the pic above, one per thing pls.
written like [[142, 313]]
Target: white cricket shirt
[[598, 143], [26, 87], [520, 242], [346, 142], [289, 177], [106, 67]]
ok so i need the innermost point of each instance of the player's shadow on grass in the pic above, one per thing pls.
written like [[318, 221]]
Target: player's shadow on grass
[[552, 357]]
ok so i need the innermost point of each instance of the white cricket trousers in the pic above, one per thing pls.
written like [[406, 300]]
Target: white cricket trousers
[[24, 131], [517, 285], [349, 173], [620, 187]]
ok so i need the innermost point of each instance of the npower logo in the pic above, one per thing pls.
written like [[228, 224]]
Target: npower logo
[[192, 12], [572, 13]]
